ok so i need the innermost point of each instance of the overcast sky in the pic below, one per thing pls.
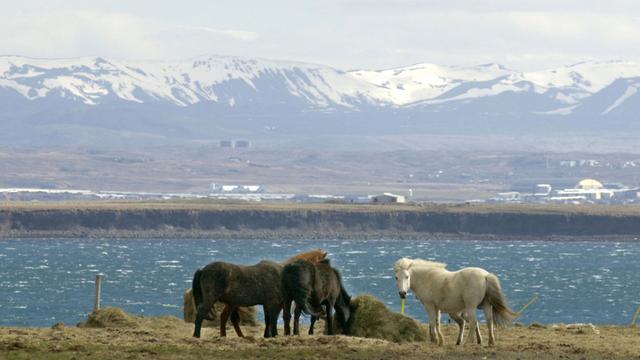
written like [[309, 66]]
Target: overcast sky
[[347, 34]]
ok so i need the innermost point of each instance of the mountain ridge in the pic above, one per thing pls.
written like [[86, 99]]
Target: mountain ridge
[[189, 81], [213, 95]]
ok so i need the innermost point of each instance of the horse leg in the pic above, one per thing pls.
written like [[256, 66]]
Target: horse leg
[[478, 336], [203, 311], [488, 314], [473, 325], [296, 320], [460, 321], [313, 323], [275, 313], [235, 320], [267, 321], [286, 316], [431, 311], [438, 332], [329, 307], [224, 316]]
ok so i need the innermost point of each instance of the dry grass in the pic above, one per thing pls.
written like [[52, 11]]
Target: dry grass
[[372, 319], [170, 338], [110, 317]]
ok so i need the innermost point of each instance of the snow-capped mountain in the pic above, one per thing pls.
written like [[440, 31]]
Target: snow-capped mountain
[[212, 78], [209, 90]]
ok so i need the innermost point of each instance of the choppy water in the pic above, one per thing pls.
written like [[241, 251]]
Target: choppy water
[[47, 281]]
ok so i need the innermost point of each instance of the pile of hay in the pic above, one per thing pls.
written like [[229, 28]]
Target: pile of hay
[[372, 319], [579, 328], [248, 315], [110, 317]]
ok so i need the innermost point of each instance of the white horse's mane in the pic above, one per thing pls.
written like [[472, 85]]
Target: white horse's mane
[[406, 263]]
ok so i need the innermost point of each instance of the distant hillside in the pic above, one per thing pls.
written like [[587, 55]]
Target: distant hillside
[[103, 101]]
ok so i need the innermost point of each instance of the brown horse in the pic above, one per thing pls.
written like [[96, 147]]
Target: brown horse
[[313, 256], [316, 289], [231, 310], [239, 285]]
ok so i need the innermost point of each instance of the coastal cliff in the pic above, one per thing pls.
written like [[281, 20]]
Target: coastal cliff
[[207, 219]]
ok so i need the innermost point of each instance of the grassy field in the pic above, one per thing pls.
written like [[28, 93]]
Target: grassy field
[[170, 338]]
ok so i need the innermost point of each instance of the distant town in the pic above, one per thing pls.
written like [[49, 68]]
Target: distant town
[[216, 191], [589, 191], [586, 191]]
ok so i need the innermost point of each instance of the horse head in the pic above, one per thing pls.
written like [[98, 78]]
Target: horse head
[[344, 310], [402, 269]]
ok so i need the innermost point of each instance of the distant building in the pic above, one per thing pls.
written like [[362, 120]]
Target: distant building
[[242, 144], [589, 189], [241, 189], [543, 189], [585, 191], [388, 198], [237, 144], [510, 196]]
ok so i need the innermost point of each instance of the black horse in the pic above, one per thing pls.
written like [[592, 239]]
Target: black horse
[[316, 290], [238, 285]]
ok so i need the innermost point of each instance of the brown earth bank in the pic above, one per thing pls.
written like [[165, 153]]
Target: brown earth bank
[[170, 338], [195, 219]]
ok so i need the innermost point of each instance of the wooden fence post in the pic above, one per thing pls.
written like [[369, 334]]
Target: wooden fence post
[[96, 304], [635, 317]]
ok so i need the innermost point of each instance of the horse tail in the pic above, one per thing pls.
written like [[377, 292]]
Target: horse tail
[[198, 296], [502, 314], [297, 284], [196, 288]]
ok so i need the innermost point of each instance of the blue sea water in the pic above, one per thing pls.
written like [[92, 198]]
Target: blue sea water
[[43, 282]]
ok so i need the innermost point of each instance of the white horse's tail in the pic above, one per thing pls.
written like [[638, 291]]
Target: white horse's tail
[[502, 314]]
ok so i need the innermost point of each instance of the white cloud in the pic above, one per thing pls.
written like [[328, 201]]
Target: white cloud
[[236, 34], [121, 35], [524, 34]]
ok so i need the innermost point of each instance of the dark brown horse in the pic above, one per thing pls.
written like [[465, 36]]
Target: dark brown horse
[[314, 256], [238, 285], [316, 289]]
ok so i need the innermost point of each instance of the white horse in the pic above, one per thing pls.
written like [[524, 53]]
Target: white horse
[[454, 292]]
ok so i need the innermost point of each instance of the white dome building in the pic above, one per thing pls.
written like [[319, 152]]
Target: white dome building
[[589, 184]]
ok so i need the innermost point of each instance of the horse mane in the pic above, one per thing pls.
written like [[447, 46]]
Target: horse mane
[[406, 264], [314, 256]]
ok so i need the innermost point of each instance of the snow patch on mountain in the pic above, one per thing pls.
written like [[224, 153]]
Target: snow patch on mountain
[[411, 84], [631, 90], [233, 82], [182, 83]]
